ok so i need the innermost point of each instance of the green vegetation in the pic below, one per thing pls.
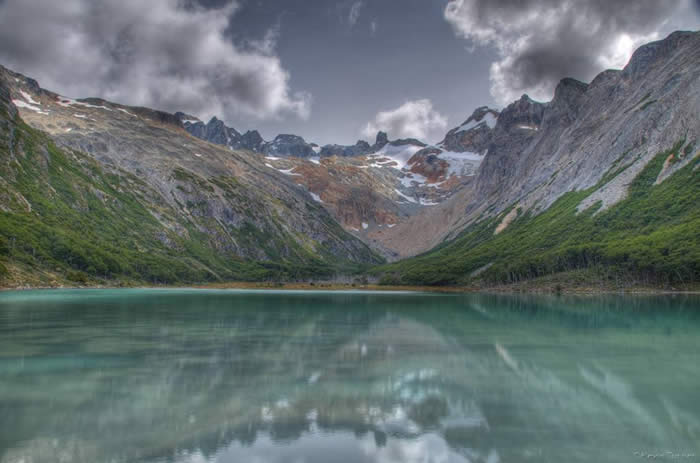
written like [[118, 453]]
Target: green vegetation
[[64, 218], [651, 236], [644, 98]]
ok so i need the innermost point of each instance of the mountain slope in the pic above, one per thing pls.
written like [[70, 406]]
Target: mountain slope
[[603, 175], [603, 178], [370, 189], [112, 192], [651, 236]]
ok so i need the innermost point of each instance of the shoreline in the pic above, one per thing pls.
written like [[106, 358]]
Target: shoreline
[[583, 290]]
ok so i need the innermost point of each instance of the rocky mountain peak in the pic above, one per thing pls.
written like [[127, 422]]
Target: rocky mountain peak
[[252, 140], [524, 113], [288, 145], [566, 102], [381, 140], [474, 134], [407, 141], [569, 89], [647, 55], [288, 138], [360, 148], [483, 113]]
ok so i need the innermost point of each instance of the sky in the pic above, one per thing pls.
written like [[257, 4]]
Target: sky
[[332, 71]]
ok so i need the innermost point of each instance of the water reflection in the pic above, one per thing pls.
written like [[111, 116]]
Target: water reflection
[[187, 376]]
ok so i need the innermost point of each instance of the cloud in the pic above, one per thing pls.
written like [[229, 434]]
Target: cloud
[[540, 42], [159, 53], [415, 119], [354, 14]]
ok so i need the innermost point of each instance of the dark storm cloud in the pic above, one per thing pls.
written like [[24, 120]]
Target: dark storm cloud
[[541, 41], [167, 54], [245, 60]]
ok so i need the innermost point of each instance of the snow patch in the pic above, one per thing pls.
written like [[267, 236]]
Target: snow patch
[[190, 121], [410, 178], [29, 98], [81, 116], [315, 160], [527, 127], [461, 164], [127, 112], [198, 155], [391, 225], [317, 149], [316, 197], [365, 225], [286, 171], [25, 105], [407, 198], [488, 119], [66, 102], [463, 156], [87, 105], [272, 158], [398, 154]]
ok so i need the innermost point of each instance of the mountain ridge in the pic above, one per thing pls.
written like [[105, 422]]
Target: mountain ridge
[[576, 159]]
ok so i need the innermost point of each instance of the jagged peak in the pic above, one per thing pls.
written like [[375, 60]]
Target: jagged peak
[[407, 141], [381, 139], [252, 132], [569, 89], [645, 56], [481, 112], [524, 112], [483, 115], [288, 137]]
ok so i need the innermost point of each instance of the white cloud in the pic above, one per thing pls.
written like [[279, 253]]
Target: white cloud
[[414, 119], [156, 53], [540, 42], [354, 14]]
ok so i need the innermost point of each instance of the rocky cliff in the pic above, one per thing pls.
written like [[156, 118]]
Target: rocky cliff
[[219, 212], [594, 154]]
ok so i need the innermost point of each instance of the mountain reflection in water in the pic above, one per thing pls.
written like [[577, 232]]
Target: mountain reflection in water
[[236, 376]]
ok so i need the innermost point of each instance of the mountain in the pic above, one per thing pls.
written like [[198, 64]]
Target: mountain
[[601, 182], [603, 178], [369, 189], [93, 189], [217, 132]]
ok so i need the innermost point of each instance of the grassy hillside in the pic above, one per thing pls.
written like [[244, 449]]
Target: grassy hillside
[[653, 236], [64, 218]]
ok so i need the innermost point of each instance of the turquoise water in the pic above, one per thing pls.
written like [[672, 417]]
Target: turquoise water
[[244, 376]]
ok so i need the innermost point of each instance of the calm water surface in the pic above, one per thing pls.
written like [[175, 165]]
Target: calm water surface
[[308, 377]]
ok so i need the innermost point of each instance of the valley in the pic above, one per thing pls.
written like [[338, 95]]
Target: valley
[[602, 180]]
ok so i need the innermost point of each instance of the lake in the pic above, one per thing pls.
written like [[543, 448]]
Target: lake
[[309, 377]]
